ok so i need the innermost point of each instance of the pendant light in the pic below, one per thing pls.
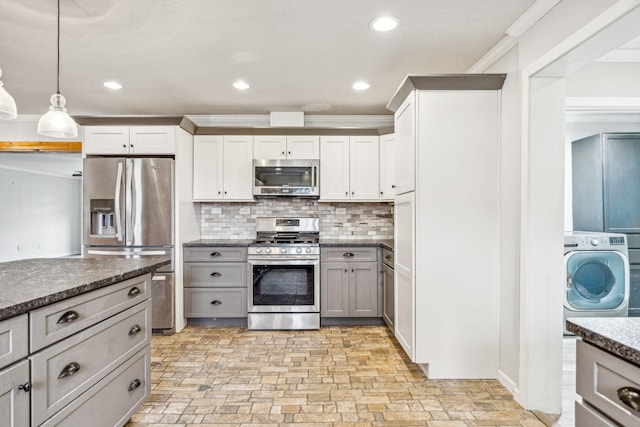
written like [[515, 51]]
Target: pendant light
[[57, 122], [8, 108]]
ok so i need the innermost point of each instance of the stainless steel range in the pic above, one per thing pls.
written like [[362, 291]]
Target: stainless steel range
[[284, 274]]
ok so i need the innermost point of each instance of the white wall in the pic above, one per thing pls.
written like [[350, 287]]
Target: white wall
[[40, 215]]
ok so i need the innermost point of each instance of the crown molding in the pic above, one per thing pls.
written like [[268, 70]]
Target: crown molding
[[495, 53], [310, 121]]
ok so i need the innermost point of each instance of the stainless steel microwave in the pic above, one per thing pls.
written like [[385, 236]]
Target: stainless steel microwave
[[285, 178]]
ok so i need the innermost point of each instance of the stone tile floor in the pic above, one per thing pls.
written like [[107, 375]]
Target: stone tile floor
[[334, 377]]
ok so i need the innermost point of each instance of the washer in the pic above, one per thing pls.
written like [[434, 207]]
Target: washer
[[596, 267]]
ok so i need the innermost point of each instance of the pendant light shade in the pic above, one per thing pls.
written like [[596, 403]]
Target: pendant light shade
[[57, 122], [8, 108]]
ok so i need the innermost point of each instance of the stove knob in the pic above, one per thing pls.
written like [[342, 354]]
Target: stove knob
[[268, 250], [299, 250], [259, 250], [308, 250], [283, 250]]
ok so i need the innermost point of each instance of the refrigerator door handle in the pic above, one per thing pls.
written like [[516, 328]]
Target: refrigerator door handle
[[127, 253], [128, 206], [117, 203]]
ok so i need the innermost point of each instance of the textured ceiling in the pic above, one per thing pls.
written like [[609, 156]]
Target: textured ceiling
[[178, 57]]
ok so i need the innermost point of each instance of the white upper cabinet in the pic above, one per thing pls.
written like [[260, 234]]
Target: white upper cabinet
[[349, 168], [387, 167], [124, 140], [222, 168], [405, 141], [286, 147]]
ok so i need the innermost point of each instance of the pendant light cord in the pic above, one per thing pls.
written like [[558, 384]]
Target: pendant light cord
[[58, 64]]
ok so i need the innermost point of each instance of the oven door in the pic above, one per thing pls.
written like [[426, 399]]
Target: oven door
[[283, 285]]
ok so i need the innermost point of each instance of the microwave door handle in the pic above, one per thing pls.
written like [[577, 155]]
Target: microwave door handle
[[117, 202], [313, 176]]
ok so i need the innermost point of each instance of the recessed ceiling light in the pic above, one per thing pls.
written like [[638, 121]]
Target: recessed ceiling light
[[383, 23], [241, 85], [361, 86], [112, 85]]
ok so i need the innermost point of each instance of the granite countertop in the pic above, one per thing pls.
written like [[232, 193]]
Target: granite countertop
[[33, 283], [355, 243], [617, 335], [218, 242]]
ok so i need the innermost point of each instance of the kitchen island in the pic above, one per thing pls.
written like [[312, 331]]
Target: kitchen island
[[75, 339], [607, 370]]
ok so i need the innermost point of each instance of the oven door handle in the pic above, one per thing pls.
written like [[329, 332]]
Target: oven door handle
[[272, 260]]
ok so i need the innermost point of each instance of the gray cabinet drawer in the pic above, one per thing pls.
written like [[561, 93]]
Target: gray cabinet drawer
[[113, 400], [600, 376], [215, 274], [95, 352], [54, 322], [349, 254], [217, 302], [387, 257], [586, 416], [14, 338], [212, 253]]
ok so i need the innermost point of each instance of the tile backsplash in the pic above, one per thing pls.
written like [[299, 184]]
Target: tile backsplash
[[348, 221]]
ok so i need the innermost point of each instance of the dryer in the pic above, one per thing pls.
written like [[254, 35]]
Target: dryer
[[596, 267]]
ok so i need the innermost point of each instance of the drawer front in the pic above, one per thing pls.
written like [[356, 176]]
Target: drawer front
[[600, 377], [113, 400], [54, 322], [585, 416], [634, 256], [224, 302], [212, 253], [14, 339], [209, 274], [387, 257], [349, 254], [14, 403], [633, 241], [94, 353]]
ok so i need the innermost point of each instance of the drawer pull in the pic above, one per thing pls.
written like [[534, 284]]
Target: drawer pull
[[216, 254], [134, 329], [134, 384], [216, 302], [216, 274], [388, 257], [134, 291], [630, 396], [69, 370], [69, 316], [348, 254], [25, 387]]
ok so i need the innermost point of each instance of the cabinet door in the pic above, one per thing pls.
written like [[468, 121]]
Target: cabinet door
[[364, 175], [334, 289], [269, 147], [238, 168], [106, 140], [363, 289], [388, 290], [405, 140], [152, 140], [334, 168], [207, 167], [14, 403], [303, 147], [387, 167], [404, 274]]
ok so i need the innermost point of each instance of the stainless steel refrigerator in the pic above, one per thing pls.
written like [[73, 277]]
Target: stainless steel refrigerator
[[128, 212]]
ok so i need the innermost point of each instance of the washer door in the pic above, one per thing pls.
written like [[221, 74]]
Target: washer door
[[595, 280]]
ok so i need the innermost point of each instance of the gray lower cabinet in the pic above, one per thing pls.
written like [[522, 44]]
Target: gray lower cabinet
[[387, 288], [14, 402], [215, 282], [609, 387], [349, 282]]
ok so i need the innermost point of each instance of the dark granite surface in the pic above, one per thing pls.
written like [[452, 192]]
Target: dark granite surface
[[218, 242], [355, 243], [32, 283], [617, 335]]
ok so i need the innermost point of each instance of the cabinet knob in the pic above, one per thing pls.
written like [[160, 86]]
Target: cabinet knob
[[134, 384], [353, 192], [69, 370], [289, 153], [134, 291], [216, 302], [124, 145], [283, 153], [393, 186], [131, 145], [345, 270], [381, 193], [216, 254], [225, 192], [134, 329], [69, 316], [630, 396], [216, 274], [348, 254], [219, 192], [346, 193], [25, 387]]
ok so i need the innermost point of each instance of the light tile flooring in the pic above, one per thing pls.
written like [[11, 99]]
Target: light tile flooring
[[334, 377]]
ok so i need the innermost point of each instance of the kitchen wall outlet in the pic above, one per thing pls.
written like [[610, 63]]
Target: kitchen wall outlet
[[19, 248], [245, 211]]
